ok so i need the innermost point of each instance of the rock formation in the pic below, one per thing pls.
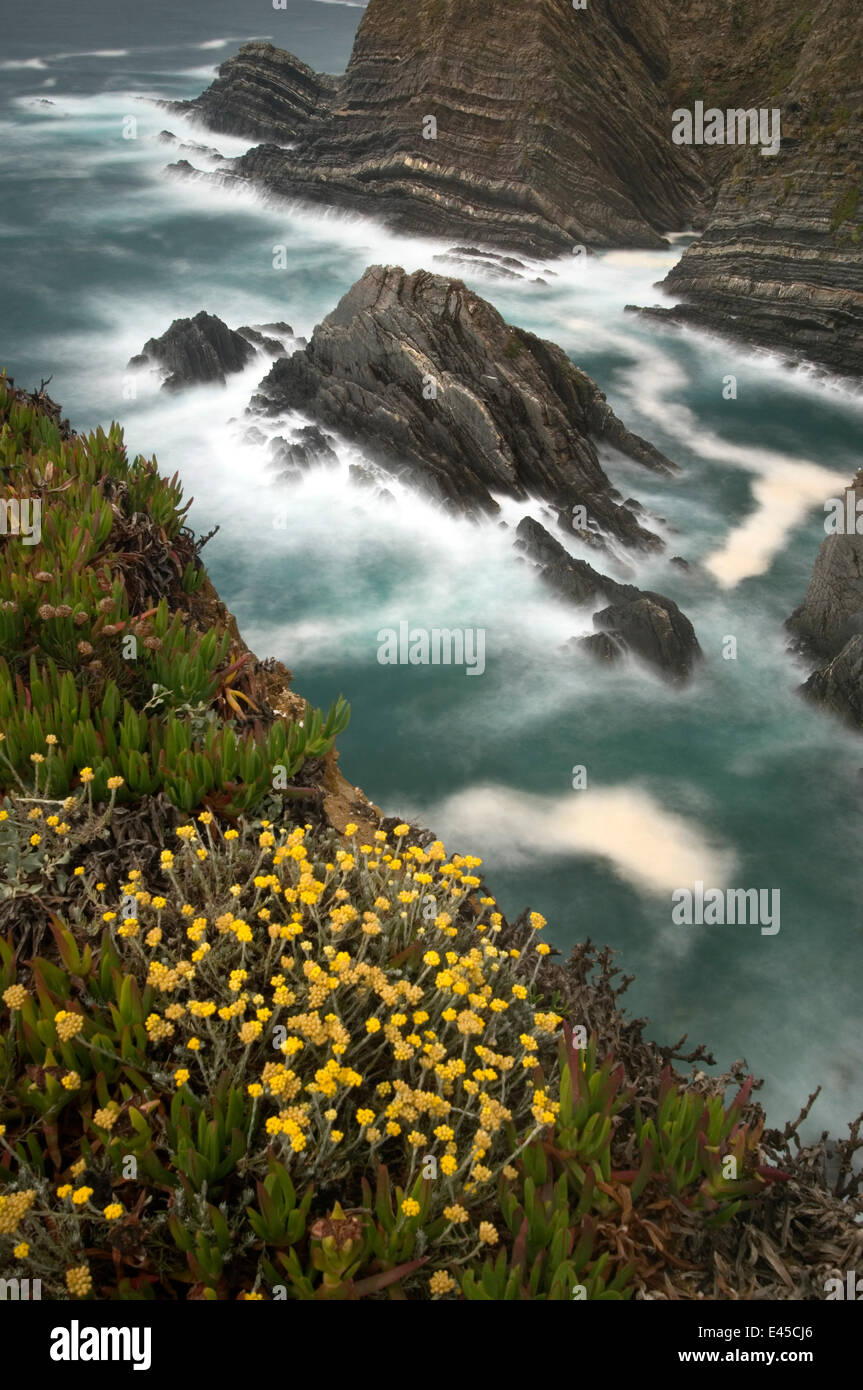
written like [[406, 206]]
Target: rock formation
[[437, 387], [263, 93], [647, 624], [204, 349], [829, 622]]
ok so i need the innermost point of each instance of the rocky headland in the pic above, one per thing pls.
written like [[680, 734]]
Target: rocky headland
[[537, 128]]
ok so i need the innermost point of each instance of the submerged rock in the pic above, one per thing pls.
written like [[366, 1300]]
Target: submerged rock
[[433, 383], [648, 625]]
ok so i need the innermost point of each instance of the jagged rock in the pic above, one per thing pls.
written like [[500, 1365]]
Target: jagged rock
[[647, 624], [192, 351], [829, 622], [258, 336], [551, 128], [838, 686], [204, 349], [832, 611], [570, 578], [309, 447], [429, 379]]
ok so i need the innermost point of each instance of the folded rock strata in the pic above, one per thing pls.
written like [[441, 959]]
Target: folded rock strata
[[553, 130], [550, 125], [780, 264]]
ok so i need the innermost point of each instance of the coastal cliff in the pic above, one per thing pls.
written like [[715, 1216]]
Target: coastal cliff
[[537, 127], [540, 129], [779, 264]]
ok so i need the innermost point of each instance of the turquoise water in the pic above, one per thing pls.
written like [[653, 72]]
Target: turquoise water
[[734, 781]]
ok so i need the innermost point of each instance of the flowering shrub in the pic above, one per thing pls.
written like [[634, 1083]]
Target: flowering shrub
[[289, 1065]]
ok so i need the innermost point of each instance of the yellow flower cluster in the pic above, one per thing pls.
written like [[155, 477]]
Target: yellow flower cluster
[[13, 1209], [360, 994], [68, 1025]]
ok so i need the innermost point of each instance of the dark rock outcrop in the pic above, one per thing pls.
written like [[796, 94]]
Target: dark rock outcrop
[[189, 147], [308, 447], [204, 349], [648, 625], [829, 622], [838, 686], [437, 387]]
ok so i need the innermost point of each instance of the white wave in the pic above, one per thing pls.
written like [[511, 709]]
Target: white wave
[[650, 847], [235, 38], [17, 64], [91, 53], [200, 74]]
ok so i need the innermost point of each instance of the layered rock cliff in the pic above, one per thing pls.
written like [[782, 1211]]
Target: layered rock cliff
[[780, 263], [432, 382], [533, 126], [537, 127]]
